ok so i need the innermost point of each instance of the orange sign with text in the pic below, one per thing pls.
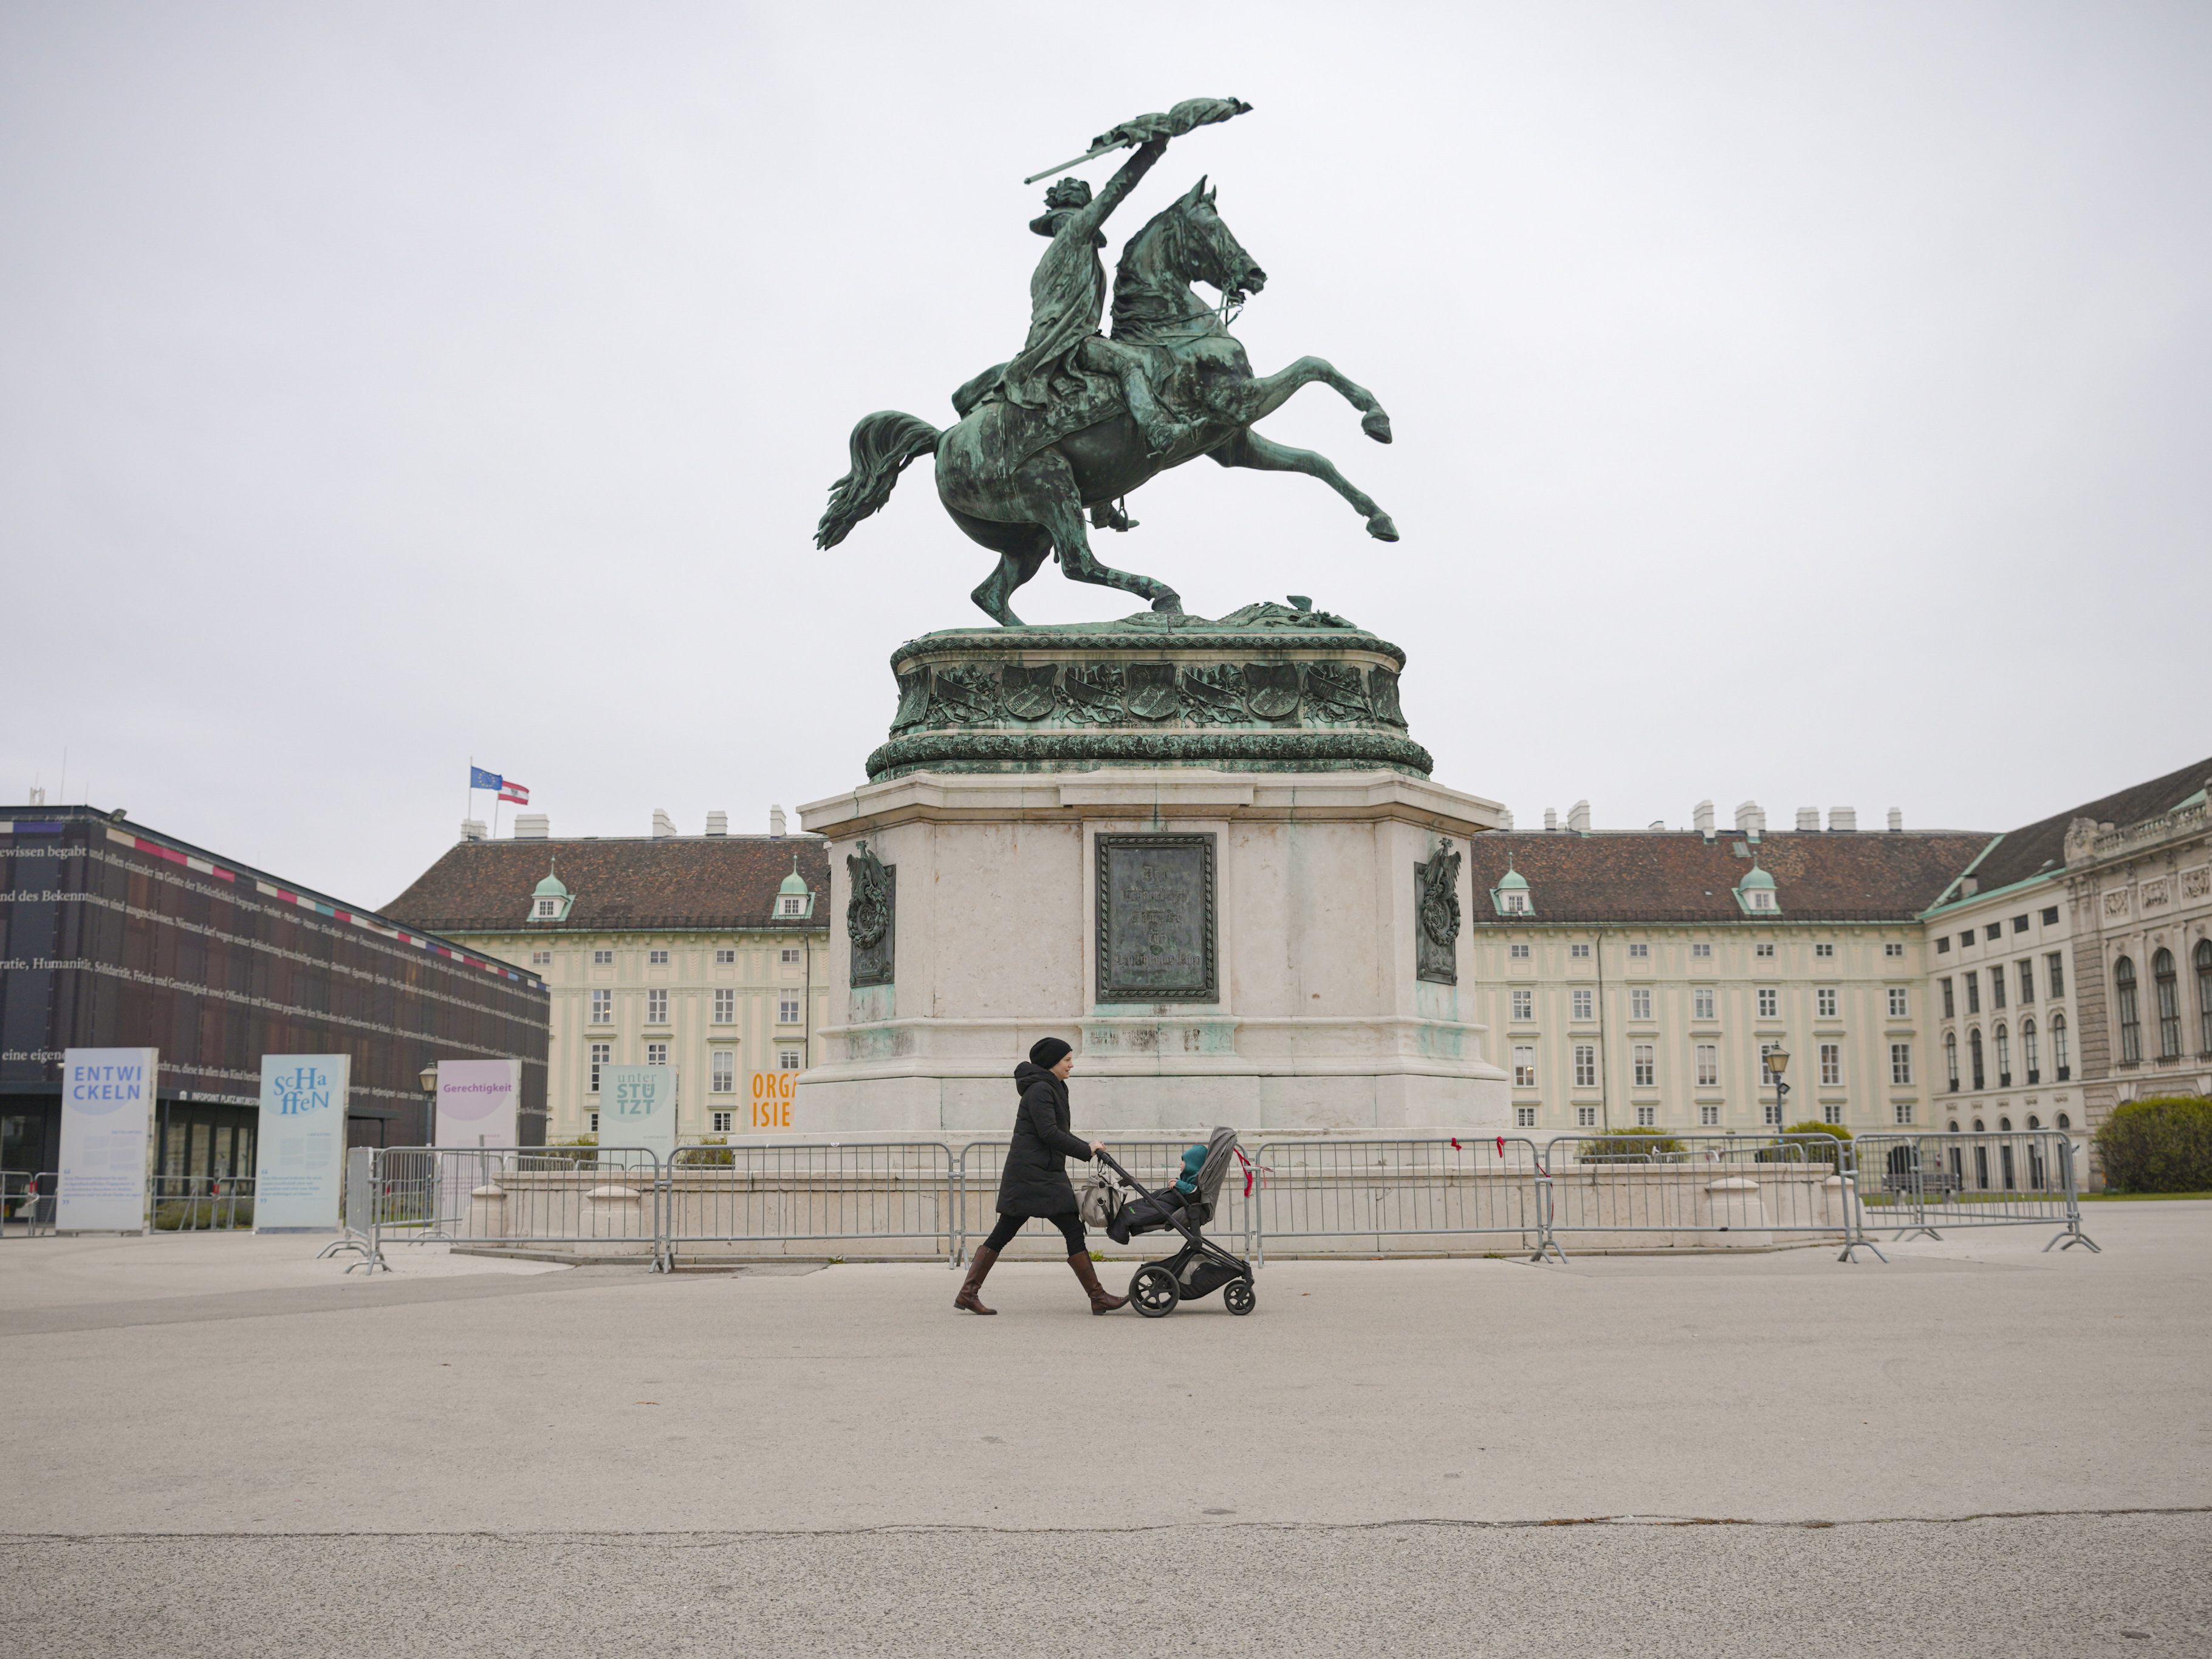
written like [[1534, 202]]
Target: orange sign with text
[[772, 1099]]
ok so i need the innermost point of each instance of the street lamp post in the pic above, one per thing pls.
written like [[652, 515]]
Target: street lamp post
[[429, 1080], [1777, 1061]]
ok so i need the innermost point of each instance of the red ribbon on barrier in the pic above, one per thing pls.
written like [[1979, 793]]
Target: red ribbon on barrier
[[1247, 1162]]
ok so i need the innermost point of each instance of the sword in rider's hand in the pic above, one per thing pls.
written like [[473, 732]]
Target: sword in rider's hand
[[1192, 112]]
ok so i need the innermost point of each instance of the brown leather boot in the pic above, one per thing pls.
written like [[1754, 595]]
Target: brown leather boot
[[1100, 1301], [979, 1268]]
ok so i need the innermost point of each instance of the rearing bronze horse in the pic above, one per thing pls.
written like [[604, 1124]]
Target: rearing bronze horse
[[1021, 490]]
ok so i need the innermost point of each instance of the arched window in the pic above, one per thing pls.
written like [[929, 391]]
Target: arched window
[[1951, 1058], [2204, 996], [1974, 1056], [2033, 1122], [2004, 1058], [2123, 1002], [2169, 1003], [2062, 1068], [2005, 1123], [1979, 1126], [2027, 1056], [2064, 1121], [1955, 1126]]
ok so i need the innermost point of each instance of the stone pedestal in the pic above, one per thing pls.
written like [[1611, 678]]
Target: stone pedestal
[[1207, 854]]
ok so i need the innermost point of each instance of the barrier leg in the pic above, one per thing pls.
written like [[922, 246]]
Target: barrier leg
[[1548, 1242]]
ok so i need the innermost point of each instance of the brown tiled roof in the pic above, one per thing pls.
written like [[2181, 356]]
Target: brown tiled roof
[[638, 883], [2041, 846], [1668, 876]]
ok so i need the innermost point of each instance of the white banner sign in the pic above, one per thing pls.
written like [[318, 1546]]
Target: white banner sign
[[107, 1139], [301, 1163], [637, 1109], [477, 1101]]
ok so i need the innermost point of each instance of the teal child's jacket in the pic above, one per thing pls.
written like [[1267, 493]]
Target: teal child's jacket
[[1193, 1161]]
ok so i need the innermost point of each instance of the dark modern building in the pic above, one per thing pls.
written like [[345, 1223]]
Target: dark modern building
[[112, 935]]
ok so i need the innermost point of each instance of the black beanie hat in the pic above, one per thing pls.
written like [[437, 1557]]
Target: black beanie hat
[[1047, 1051]]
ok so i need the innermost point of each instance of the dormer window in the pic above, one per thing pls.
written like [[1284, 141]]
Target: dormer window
[[548, 909], [792, 905], [1512, 897], [794, 898], [1755, 893], [550, 899]]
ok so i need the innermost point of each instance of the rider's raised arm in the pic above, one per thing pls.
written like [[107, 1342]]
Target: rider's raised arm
[[1123, 181]]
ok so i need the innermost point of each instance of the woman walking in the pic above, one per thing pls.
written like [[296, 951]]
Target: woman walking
[[1035, 1181]]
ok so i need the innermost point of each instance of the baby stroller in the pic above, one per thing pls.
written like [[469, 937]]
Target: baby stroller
[[1200, 1267]]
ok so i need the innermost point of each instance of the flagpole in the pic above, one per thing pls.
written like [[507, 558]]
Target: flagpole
[[470, 805]]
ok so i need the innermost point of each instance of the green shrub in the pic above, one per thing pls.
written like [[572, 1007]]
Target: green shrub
[[1807, 1152], [2163, 1144], [713, 1151], [1627, 1147], [1812, 1127]]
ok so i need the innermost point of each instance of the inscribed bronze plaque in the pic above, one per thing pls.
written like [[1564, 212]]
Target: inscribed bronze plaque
[[1155, 919]]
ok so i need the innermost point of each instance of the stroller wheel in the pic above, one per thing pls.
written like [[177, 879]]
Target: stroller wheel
[[1238, 1295], [1154, 1291]]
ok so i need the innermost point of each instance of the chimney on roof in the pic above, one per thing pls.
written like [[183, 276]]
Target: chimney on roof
[[1750, 820], [472, 830], [37, 796], [1897, 817], [1578, 818], [1504, 818], [532, 826], [663, 825], [718, 823], [1551, 818], [1701, 818], [1808, 818], [1843, 820], [775, 820], [1656, 824]]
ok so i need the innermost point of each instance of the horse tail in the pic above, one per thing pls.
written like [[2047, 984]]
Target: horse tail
[[883, 444]]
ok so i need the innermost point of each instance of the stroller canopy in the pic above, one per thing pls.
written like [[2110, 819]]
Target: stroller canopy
[[1220, 1149]]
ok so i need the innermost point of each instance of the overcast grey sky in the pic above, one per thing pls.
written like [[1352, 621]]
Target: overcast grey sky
[[1805, 402]]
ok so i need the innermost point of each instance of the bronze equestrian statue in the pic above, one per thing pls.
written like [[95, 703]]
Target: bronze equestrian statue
[[1078, 420]]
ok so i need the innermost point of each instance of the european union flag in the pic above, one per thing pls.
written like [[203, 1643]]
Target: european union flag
[[480, 779]]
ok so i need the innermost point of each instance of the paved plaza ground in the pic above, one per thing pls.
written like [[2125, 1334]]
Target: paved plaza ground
[[221, 1446]]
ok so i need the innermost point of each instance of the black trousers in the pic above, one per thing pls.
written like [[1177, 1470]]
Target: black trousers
[[1070, 1225]]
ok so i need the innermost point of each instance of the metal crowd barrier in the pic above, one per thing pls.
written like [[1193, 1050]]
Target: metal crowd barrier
[[608, 1198], [2024, 1178], [28, 1199], [800, 1192], [1396, 1194], [191, 1204], [357, 1215], [1154, 1163], [1656, 1191]]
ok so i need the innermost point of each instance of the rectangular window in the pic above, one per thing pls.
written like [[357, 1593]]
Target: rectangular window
[[2051, 917], [1524, 1064], [1524, 1117], [1770, 1002], [656, 1053], [2020, 924], [1585, 1117], [1966, 939], [1994, 932], [722, 1072], [1900, 1062], [1901, 1113], [1585, 1065], [725, 1006], [1900, 1002], [1646, 1116], [595, 1123], [2054, 975], [2026, 981], [1943, 945], [1831, 1065], [1996, 985], [1950, 1001], [1824, 950], [1832, 1112], [786, 1011], [1893, 949], [541, 958], [657, 958], [1639, 953], [726, 956], [1643, 1058], [788, 955], [603, 958], [1702, 952], [1709, 1066], [1518, 952], [603, 1054], [1702, 1002], [1585, 1004], [1766, 950], [1579, 952], [603, 1007], [1823, 1002], [1709, 1116], [787, 1059], [1639, 1003], [1974, 991], [656, 1007], [1524, 1005], [725, 1122]]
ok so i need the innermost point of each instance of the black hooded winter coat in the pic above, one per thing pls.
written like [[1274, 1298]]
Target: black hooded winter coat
[[1034, 1181]]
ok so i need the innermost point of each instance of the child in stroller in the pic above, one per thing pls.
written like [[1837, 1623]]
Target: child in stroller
[[1200, 1267]]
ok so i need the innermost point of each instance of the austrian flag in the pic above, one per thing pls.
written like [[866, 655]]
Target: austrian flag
[[510, 790]]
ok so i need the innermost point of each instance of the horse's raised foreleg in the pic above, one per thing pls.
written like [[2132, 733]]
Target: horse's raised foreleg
[[1243, 402], [1047, 485], [1249, 449]]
